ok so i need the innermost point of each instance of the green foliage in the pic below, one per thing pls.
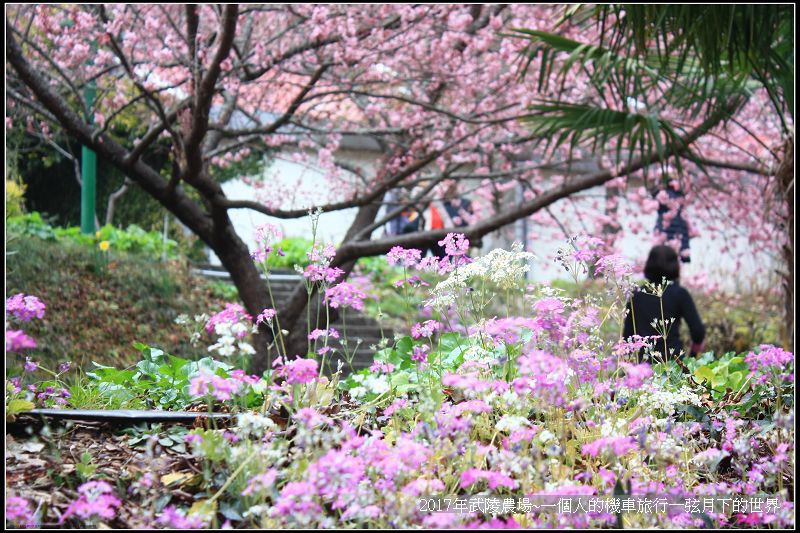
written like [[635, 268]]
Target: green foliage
[[294, 250], [446, 356], [223, 290], [85, 468], [15, 198], [170, 437], [728, 372], [131, 240], [162, 379]]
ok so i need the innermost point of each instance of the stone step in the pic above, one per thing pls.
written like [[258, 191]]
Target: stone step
[[359, 326]]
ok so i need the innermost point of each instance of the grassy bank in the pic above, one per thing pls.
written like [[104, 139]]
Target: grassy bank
[[96, 308]]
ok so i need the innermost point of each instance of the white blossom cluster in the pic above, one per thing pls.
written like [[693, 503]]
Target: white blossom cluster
[[501, 267], [511, 423], [229, 339], [254, 424], [657, 399], [372, 383]]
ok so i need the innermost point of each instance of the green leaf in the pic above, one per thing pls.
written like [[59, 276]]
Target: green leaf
[[704, 373], [15, 407]]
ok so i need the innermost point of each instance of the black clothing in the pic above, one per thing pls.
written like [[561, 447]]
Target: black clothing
[[677, 304]]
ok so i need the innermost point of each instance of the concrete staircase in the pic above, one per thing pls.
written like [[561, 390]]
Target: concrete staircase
[[363, 332]]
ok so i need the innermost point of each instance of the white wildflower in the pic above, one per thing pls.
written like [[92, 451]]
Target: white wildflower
[[511, 423], [254, 424]]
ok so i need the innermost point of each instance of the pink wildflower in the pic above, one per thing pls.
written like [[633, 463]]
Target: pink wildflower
[[298, 371], [405, 257], [425, 329], [18, 511], [616, 445], [96, 499], [25, 308], [171, 517], [261, 482], [345, 295], [266, 316], [17, 340], [455, 244], [635, 375]]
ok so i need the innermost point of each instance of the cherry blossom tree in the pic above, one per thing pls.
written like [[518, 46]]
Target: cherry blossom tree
[[436, 87]]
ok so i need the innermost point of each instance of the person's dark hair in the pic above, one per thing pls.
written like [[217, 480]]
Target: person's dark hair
[[662, 263]]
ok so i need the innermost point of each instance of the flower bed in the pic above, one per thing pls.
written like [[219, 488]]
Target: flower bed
[[540, 412]]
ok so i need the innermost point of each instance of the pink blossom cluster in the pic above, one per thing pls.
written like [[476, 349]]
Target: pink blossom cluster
[[768, 360], [618, 446], [266, 316], [261, 482], [223, 389], [455, 244], [171, 517], [503, 330], [19, 512], [96, 499], [636, 375], [232, 314], [25, 308], [405, 257], [494, 479], [345, 295], [17, 341], [332, 333], [322, 274], [425, 329], [266, 234], [297, 371]]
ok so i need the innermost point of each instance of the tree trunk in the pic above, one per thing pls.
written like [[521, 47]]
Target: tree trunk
[[785, 175], [235, 257]]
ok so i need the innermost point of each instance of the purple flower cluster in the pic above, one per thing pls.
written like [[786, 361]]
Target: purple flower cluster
[[25, 308], [345, 295], [51, 394], [95, 500], [420, 353]]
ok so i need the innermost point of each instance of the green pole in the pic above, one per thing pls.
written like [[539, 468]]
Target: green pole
[[88, 173]]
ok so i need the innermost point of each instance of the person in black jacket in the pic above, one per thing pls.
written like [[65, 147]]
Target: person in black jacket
[[675, 301]]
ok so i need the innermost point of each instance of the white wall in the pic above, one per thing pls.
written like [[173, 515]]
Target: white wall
[[302, 186]]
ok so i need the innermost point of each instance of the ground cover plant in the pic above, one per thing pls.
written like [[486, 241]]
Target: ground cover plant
[[536, 402], [101, 301]]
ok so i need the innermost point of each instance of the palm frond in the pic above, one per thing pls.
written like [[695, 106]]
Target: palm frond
[[559, 124]]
